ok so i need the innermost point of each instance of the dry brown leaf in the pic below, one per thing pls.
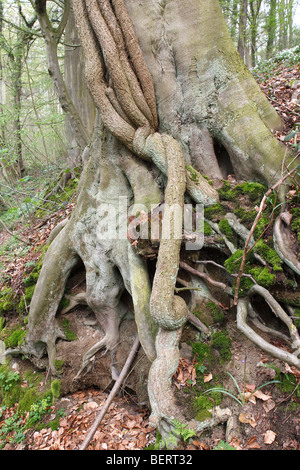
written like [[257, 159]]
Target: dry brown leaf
[[262, 396], [269, 405], [269, 437], [252, 443], [247, 419], [208, 378], [91, 405]]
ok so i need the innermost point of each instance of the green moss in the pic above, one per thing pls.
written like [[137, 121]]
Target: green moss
[[193, 174], [232, 264], [207, 179], [207, 229], [69, 334], [216, 312], [287, 383], [59, 198], [26, 299], [202, 405], [214, 212], [226, 191], [2, 323], [255, 191], [56, 388], [261, 226], [295, 224], [269, 255], [262, 276], [246, 217], [227, 230], [15, 337], [27, 398], [297, 319], [7, 299], [64, 303], [222, 342], [58, 364], [203, 352]]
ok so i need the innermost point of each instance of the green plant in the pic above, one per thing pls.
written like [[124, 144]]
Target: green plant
[[240, 395], [13, 430], [8, 379], [222, 445], [38, 410], [182, 431]]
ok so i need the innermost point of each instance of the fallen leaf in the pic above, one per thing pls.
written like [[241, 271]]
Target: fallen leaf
[[208, 378], [246, 419], [269, 437], [269, 405], [252, 443], [91, 405], [262, 396]]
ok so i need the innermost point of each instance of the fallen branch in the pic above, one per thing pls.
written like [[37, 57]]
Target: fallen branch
[[205, 276], [112, 394], [13, 234]]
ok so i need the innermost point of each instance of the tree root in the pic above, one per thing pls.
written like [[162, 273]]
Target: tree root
[[282, 244], [242, 312]]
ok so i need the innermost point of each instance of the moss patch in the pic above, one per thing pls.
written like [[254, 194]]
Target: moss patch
[[210, 313], [261, 274], [214, 212], [254, 191], [227, 230]]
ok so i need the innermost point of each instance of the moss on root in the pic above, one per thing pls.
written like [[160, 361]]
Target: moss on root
[[255, 191]]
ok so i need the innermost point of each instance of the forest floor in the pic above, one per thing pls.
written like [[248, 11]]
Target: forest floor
[[267, 421]]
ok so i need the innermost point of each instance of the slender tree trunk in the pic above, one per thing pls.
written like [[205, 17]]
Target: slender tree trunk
[[242, 41], [271, 28], [51, 37], [77, 89]]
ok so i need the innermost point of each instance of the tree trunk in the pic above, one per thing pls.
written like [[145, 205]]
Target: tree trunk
[[78, 91], [271, 28], [199, 112]]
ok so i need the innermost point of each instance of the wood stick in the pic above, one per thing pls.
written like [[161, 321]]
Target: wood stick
[[112, 394]]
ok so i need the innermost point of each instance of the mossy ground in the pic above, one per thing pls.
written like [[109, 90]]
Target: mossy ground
[[211, 354], [32, 399]]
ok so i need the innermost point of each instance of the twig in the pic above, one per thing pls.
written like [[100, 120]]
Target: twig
[[261, 209], [13, 234], [112, 394], [207, 278]]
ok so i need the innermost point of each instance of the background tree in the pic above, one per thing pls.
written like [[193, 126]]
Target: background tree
[[263, 27]]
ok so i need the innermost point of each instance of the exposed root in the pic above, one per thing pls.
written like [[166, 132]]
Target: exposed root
[[108, 343], [282, 244], [242, 312]]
